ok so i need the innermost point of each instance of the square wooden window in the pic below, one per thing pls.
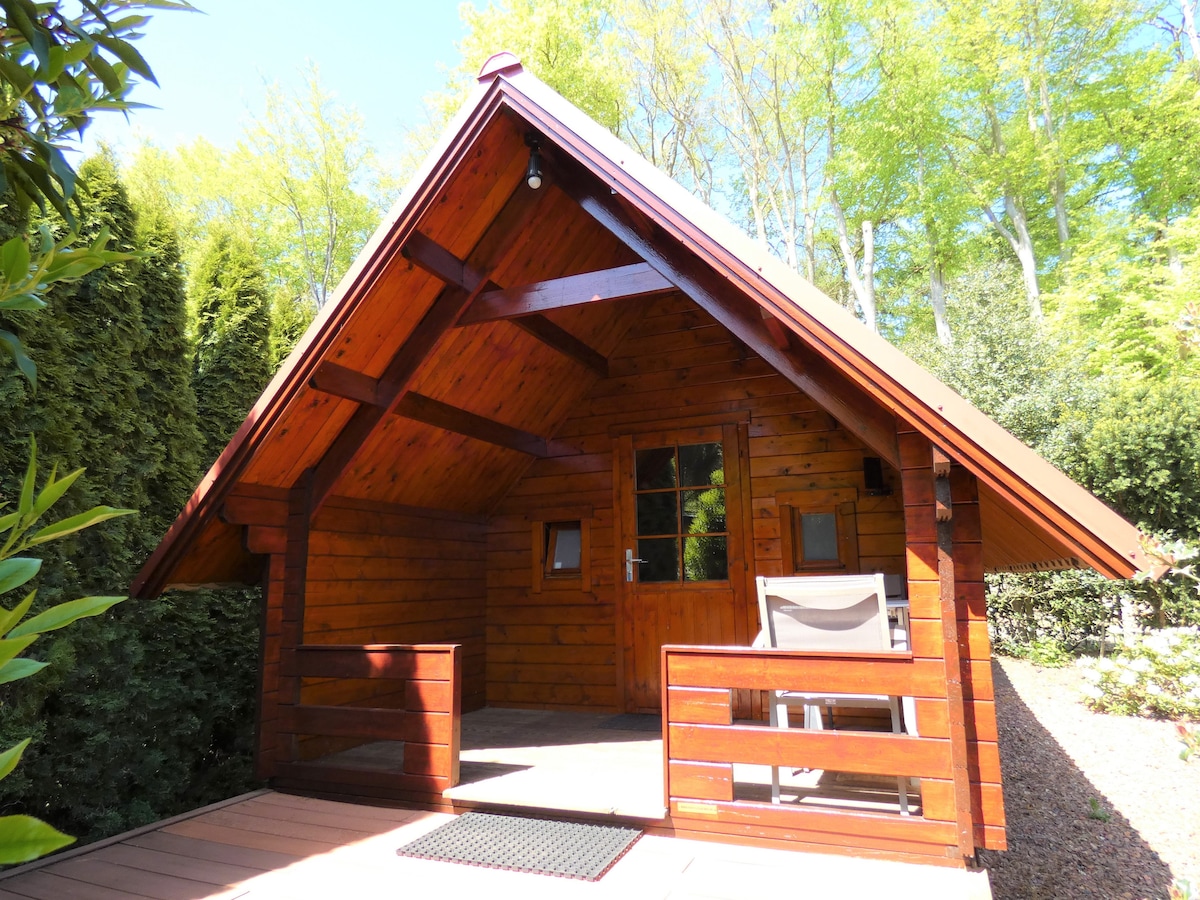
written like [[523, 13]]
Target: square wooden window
[[819, 539]]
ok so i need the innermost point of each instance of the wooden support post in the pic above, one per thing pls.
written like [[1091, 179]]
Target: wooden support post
[[952, 654]]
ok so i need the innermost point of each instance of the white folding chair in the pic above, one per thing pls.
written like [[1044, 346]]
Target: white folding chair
[[841, 613]]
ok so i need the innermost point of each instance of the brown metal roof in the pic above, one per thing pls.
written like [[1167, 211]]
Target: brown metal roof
[[462, 190]]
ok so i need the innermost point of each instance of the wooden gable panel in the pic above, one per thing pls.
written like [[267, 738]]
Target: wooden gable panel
[[1010, 544], [219, 557]]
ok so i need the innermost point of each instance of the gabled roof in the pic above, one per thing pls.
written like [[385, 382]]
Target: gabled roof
[[386, 343]]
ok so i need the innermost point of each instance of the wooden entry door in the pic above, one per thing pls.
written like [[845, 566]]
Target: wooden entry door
[[682, 550]]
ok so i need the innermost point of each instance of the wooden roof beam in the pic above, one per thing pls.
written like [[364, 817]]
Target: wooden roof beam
[[564, 342], [845, 401], [332, 378], [637, 280], [442, 415], [464, 284], [435, 259]]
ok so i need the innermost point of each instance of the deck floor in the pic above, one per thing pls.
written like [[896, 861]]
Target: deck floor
[[272, 846], [605, 764]]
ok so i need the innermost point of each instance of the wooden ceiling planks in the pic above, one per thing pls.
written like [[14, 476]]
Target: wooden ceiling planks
[[415, 464], [461, 213]]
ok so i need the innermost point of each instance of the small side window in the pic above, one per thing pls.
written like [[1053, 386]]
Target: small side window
[[563, 548], [819, 538]]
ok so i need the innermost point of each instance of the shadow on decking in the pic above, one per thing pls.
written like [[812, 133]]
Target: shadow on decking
[[1047, 787]]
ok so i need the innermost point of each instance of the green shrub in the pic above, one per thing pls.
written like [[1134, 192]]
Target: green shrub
[[1156, 675], [1031, 614]]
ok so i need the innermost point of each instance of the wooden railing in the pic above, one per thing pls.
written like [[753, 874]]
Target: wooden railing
[[701, 744], [413, 697]]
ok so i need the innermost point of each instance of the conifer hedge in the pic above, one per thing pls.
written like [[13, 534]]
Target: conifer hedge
[[148, 710]]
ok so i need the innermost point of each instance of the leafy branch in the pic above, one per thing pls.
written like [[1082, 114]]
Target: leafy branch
[[25, 276]]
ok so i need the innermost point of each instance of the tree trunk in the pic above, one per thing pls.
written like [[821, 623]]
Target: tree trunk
[[1174, 261], [810, 220], [1189, 28], [1059, 185], [863, 287], [937, 298], [1022, 245], [1018, 237], [867, 300]]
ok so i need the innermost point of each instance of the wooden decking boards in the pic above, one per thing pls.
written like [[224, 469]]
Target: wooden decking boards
[[272, 846]]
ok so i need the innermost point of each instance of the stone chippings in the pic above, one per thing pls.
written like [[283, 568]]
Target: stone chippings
[[519, 844]]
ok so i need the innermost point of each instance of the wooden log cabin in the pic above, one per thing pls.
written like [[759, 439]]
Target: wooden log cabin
[[533, 455]]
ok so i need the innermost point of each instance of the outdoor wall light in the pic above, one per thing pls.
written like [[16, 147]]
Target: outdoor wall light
[[533, 172]]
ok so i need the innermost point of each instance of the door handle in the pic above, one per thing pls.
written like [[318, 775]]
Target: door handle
[[629, 561]]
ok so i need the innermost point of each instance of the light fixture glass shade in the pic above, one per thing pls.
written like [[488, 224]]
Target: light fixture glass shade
[[533, 172]]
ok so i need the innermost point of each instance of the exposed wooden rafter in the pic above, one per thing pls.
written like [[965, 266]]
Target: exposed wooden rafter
[[464, 285], [442, 415], [350, 385], [851, 406], [564, 342], [637, 280], [440, 262], [331, 378], [780, 336]]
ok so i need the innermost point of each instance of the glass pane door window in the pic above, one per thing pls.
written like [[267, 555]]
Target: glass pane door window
[[679, 499]]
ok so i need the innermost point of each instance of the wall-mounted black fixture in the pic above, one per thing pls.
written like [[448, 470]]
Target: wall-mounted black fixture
[[533, 172], [876, 485]]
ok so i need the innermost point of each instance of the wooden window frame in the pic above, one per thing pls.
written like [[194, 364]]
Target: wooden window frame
[[653, 441], [841, 503], [542, 577], [552, 530]]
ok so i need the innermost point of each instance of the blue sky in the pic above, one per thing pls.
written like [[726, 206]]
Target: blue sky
[[213, 66]]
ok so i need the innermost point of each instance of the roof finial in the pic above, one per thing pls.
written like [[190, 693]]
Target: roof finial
[[502, 63]]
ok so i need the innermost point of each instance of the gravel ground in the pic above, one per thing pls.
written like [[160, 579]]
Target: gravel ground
[[1058, 757]]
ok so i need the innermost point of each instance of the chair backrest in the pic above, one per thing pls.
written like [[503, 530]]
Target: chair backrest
[[822, 612], [893, 586]]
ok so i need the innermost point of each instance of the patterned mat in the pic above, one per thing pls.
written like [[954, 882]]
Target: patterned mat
[[541, 846]]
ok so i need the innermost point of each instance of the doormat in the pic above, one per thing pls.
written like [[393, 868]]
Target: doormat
[[633, 722], [540, 846]]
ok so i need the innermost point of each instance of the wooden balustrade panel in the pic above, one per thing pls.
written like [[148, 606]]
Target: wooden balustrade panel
[[884, 673], [422, 686], [703, 745], [862, 752], [858, 830], [382, 662]]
